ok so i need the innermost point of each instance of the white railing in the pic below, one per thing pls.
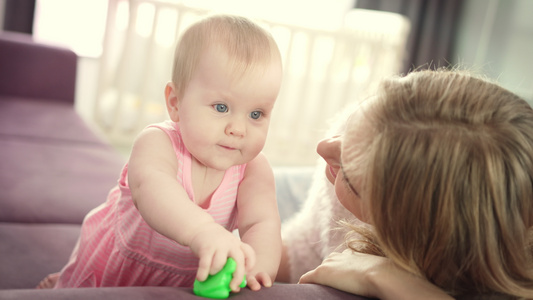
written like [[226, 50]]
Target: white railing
[[323, 71]]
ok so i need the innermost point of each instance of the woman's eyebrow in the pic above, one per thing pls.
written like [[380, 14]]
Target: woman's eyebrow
[[347, 181]]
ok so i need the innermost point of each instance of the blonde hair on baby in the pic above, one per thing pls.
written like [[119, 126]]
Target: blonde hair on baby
[[245, 42]]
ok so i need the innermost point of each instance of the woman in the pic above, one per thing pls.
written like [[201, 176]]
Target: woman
[[440, 163]]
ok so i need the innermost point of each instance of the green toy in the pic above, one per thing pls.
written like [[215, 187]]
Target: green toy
[[217, 286]]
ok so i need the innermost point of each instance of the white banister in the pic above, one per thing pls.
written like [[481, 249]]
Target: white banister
[[324, 71]]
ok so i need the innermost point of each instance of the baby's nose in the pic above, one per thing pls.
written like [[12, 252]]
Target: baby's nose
[[236, 127]]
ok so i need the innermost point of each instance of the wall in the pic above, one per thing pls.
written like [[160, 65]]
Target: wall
[[2, 5], [496, 37]]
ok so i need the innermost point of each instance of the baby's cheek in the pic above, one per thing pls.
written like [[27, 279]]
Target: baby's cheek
[[253, 152], [256, 144]]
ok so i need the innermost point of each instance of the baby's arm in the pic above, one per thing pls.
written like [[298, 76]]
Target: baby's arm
[[259, 221], [165, 206]]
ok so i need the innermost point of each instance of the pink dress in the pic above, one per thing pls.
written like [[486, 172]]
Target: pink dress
[[117, 248]]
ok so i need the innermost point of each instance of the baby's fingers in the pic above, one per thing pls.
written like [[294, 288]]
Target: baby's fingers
[[204, 266], [238, 274], [245, 260], [260, 279], [249, 256], [263, 279], [252, 283], [218, 262]]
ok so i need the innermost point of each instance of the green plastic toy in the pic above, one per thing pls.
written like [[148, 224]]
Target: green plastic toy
[[217, 286]]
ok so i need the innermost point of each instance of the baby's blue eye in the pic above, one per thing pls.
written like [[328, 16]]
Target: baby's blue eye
[[221, 107], [256, 115]]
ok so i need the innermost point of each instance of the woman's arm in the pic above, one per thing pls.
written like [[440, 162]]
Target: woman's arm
[[371, 276], [259, 221], [165, 206]]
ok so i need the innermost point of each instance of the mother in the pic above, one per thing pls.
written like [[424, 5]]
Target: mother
[[440, 163]]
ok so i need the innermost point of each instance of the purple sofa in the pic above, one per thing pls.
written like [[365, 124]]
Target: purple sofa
[[54, 169]]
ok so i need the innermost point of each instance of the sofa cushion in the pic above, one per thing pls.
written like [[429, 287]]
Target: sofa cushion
[[43, 120], [53, 168], [34, 251], [53, 182]]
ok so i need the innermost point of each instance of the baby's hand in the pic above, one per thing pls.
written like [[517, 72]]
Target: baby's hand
[[213, 245], [260, 279]]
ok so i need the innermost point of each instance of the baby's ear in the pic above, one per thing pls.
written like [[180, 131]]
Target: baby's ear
[[172, 101]]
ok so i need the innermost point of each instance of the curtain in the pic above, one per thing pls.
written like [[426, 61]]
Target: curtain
[[434, 25], [18, 15]]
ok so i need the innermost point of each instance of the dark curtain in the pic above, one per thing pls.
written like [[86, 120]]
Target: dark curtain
[[18, 15], [433, 28]]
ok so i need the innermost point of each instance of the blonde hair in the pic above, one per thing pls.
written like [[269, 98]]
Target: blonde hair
[[246, 43], [448, 177]]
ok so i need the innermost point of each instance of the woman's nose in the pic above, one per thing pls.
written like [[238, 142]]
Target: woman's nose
[[330, 149]]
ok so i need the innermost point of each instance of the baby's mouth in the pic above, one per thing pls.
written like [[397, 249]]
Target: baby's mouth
[[227, 147]]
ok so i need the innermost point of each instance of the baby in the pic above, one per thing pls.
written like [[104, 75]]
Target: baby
[[192, 180]]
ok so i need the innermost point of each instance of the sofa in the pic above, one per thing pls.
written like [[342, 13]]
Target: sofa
[[54, 168]]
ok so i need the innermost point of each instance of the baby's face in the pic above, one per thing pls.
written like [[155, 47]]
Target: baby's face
[[224, 117]]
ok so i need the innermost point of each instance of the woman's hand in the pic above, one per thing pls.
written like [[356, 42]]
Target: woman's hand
[[347, 271], [371, 276]]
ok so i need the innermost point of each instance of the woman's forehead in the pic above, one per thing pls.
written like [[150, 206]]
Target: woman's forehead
[[356, 136], [361, 109], [356, 121]]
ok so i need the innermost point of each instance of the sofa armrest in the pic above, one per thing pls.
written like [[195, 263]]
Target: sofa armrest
[[278, 291], [292, 185], [30, 69]]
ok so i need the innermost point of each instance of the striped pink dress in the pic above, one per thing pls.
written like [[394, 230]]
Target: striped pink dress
[[117, 248]]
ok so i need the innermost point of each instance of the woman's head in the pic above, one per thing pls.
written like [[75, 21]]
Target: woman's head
[[246, 44], [447, 179]]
